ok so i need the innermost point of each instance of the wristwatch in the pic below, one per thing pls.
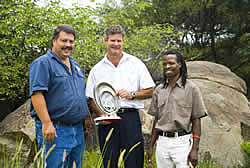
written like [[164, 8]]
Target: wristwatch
[[133, 94]]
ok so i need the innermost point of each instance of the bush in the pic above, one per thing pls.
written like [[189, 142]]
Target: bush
[[246, 148]]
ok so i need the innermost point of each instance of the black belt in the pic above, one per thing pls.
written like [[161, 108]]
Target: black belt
[[58, 122], [124, 110], [173, 134]]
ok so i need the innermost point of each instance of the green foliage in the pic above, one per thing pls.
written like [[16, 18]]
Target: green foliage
[[203, 30], [143, 39], [91, 158], [246, 149], [213, 30], [24, 37], [148, 42], [27, 29], [208, 165], [11, 161]]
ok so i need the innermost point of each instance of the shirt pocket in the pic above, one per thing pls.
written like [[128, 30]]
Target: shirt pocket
[[161, 100], [63, 87], [184, 108], [60, 81], [80, 84], [60, 77]]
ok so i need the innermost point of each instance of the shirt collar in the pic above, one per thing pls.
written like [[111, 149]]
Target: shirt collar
[[125, 57], [178, 83], [53, 55]]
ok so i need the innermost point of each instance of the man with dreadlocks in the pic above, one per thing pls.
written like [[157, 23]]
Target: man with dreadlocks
[[177, 106]]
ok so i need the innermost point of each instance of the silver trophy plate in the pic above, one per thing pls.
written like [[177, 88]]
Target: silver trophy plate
[[107, 101]]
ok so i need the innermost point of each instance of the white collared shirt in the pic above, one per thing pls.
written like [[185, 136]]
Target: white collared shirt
[[131, 74]]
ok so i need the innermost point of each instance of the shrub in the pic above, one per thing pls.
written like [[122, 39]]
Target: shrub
[[245, 146]]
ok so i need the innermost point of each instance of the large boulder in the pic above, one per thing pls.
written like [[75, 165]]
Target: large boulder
[[224, 96], [18, 127]]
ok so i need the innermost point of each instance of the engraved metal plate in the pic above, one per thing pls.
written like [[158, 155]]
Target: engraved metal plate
[[106, 100]]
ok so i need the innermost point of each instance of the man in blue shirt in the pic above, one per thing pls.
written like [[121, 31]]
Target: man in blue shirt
[[58, 101]]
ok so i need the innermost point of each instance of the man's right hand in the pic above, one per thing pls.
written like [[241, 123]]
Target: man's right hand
[[149, 157], [49, 131]]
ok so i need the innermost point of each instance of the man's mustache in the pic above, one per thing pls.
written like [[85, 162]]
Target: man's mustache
[[65, 48]]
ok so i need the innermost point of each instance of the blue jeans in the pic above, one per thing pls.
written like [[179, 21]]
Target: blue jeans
[[69, 145]]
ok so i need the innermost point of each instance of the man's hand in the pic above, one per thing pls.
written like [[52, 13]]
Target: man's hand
[[89, 125], [124, 94], [49, 131], [149, 157], [193, 157]]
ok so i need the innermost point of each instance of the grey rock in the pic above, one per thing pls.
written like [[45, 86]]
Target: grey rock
[[16, 127]]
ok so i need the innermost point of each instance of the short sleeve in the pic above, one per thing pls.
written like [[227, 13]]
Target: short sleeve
[[146, 80], [153, 109], [199, 109], [38, 76], [90, 85]]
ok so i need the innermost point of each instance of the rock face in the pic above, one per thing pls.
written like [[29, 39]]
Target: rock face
[[224, 96], [245, 125], [16, 126]]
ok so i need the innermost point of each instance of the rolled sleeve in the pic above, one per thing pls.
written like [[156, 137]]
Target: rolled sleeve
[[199, 109], [38, 76], [153, 109]]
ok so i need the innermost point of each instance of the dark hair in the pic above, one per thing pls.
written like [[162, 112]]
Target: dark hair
[[183, 69], [114, 29], [63, 28]]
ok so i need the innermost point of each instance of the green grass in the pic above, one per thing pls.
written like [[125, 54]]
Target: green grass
[[93, 159]]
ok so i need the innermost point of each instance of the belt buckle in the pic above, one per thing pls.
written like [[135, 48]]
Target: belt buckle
[[120, 111], [170, 134], [123, 110]]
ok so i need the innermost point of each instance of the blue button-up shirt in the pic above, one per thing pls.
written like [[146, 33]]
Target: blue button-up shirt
[[64, 92]]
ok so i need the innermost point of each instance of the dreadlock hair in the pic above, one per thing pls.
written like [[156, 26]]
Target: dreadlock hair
[[183, 69]]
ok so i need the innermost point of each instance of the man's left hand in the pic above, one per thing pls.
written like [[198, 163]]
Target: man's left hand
[[124, 94], [193, 157]]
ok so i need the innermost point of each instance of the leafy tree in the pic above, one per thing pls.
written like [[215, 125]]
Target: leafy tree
[[21, 41], [143, 39], [213, 30], [26, 31]]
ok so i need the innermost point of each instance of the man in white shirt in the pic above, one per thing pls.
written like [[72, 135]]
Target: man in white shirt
[[133, 83]]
